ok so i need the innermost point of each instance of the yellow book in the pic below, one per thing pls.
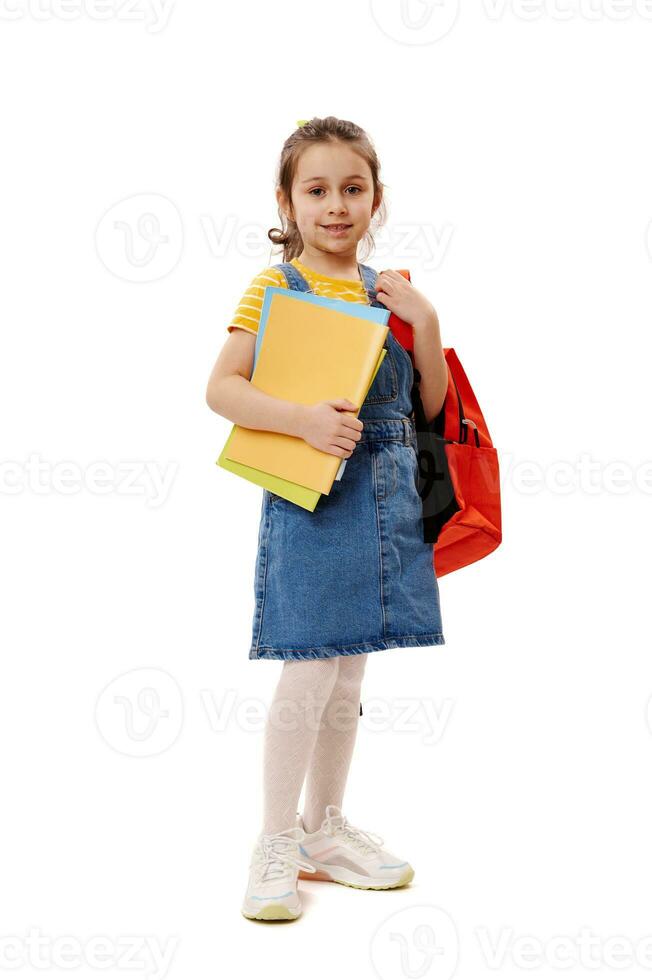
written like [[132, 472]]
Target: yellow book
[[302, 496], [310, 353]]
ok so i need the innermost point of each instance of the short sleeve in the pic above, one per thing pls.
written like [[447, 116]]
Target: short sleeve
[[247, 314]]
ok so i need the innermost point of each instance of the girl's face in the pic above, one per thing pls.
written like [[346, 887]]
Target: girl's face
[[332, 186]]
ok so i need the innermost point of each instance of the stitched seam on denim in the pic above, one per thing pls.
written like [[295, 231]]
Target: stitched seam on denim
[[264, 556], [407, 357], [370, 276], [370, 280], [380, 639], [373, 439], [294, 278], [384, 399], [380, 540], [394, 474], [284, 274], [382, 505], [404, 353]]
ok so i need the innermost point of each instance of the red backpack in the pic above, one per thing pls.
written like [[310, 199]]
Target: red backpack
[[459, 479]]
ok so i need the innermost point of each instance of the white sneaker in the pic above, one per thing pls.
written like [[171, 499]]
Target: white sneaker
[[272, 888], [350, 856]]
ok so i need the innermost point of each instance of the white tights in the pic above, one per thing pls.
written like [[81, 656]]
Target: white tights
[[310, 731]]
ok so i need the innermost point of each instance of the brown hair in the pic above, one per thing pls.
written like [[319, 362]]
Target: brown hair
[[321, 131]]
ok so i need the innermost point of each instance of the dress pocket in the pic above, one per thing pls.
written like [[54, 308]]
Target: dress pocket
[[385, 384]]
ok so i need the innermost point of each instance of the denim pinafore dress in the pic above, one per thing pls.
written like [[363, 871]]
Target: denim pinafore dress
[[354, 575]]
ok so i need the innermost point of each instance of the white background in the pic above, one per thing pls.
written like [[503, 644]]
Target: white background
[[518, 138]]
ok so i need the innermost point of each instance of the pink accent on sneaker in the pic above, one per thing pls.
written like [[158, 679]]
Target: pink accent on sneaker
[[315, 875], [320, 855]]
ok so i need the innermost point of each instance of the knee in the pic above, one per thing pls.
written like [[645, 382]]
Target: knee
[[324, 680], [315, 679], [350, 674]]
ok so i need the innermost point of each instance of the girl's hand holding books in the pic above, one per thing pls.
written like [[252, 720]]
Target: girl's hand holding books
[[328, 426]]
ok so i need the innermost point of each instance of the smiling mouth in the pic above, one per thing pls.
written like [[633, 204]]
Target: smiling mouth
[[337, 227]]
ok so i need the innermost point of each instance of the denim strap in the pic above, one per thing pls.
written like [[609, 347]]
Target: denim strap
[[293, 277], [369, 277], [296, 281]]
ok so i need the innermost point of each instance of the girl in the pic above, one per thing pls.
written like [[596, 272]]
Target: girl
[[354, 575]]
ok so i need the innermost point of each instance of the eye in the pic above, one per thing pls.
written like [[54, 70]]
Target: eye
[[353, 187]]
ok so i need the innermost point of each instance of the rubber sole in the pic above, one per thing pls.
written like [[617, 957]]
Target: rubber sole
[[272, 912], [405, 879]]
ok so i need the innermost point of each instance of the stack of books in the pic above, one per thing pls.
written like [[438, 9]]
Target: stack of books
[[308, 349]]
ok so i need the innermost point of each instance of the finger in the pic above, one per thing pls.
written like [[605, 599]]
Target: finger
[[352, 434], [394, 278], [344, 443], [338, 451], [385, 283], [352, 423]]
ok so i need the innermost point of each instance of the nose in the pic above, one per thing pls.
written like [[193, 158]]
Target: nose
[[338, 205]]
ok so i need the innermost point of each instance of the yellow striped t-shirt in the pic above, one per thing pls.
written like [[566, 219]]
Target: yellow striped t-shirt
[[247, 314]]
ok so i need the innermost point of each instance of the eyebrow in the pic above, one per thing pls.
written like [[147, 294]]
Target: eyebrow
[[352, 177]]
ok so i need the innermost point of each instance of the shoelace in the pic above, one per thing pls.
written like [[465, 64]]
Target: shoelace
[[276, 855], [336, 823]]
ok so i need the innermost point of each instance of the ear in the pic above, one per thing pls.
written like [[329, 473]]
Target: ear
[[283, 203]]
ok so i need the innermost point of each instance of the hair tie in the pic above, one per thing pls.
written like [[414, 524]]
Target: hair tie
[[302, 122]]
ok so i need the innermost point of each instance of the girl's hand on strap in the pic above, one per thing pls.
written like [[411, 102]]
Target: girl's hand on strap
[[400, 297]]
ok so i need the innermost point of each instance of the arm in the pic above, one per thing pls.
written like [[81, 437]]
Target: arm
[[231, 394]]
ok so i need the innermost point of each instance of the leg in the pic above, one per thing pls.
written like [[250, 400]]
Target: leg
[[302, 692], [331, 758]]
